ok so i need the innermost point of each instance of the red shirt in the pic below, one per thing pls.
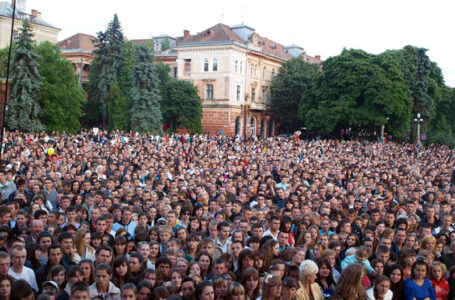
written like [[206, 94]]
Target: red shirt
[[441, 288]]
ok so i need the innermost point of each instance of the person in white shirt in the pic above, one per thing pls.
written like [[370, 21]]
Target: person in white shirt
[[18, 270]]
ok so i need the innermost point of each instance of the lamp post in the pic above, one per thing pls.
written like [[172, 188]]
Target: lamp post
[[382, 129], [4, 108], [418, 120]]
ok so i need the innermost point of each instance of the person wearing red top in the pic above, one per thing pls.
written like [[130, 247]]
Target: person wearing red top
[[439, 283]]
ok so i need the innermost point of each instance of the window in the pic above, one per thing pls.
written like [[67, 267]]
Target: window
[[174, 72], [236, 65], [215, 64], [209, 91], [252, 69], [187, 66], [253, 127], [273, 74], [238, 126], [238, 93], [206, 65], [263, 73], [253, 94], [255, 70], [264, 96], [241, 67]]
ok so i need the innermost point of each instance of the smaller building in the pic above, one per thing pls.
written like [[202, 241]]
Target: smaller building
[[79, 50], [42, 30]]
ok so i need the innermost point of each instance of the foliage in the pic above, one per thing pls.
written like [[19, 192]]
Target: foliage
[[117, 106], [181, 105], [61, 97], [105, 69], [293, 79], [24, 110], [145, 95], [165, 45], [360, 91]]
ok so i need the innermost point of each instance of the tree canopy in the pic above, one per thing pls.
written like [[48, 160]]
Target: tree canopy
[[24, 110], [293, 79]]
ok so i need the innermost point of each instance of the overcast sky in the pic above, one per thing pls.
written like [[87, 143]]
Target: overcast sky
[[321, 27]]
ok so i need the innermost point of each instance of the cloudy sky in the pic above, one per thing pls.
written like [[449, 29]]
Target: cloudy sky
[[321, 27]]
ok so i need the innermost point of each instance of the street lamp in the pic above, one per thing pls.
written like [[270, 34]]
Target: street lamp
[[382, 129], [418, 120]]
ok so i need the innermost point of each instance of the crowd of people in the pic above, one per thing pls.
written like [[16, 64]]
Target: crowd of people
[[112, 216]]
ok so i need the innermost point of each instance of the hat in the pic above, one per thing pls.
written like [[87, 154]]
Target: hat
[[51, 282]]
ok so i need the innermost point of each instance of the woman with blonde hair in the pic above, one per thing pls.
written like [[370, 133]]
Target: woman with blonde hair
[[349, 286], [308, 289], [83, 248], [428, 243], [271, 288], [236, 292]]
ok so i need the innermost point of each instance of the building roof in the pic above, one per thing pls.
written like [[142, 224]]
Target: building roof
[[6, 10], [79, 41], [217, 33], [221, 33]]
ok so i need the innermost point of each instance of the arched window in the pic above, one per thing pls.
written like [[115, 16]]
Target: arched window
[[271, 127], [252, 69], [236, 65], [206, 65], [241, 67], [253, 126], [215, 64], [273, 74]]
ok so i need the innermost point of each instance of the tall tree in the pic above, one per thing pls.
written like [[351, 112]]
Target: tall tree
[[24, 110], [118, 119], [105, 67], [61, 97], [293, 79], [181, 105], [145, 113], [360, 91]]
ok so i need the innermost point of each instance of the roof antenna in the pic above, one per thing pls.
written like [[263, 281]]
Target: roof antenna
[[243, 13]]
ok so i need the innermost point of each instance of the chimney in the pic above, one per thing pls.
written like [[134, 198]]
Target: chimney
[[34, 12], [186, 34]]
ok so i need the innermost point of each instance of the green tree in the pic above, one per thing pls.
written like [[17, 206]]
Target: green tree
[[360, 91], [117, 107], [165, 45], [24, 110], [145, 96], [293, 79], [61, 97], [181, 105], [105, 69]]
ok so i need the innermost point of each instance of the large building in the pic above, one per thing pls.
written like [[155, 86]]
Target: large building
[[42, 30], [79, 50], [233, 68]]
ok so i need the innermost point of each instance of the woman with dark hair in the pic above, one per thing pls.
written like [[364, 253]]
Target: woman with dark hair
[[246, 260], [194, 225], [120, 245], [33, 256], [5, 287], [250, 281], [21, 290], [325, 278], [271, 250], [88, 271], [381, 289], [395, 274], [204, 291], [418, 286], [120, 271], [205, 262]]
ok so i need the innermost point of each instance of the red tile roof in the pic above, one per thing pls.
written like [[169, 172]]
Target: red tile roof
[[217, 33], [78, 41]]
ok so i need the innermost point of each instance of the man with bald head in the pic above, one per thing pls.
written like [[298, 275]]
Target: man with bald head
[[36, 227]]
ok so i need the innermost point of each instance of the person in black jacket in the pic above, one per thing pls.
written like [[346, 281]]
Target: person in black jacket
[[54, 254]]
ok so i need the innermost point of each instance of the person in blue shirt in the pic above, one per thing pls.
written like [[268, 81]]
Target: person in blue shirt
[[419, 287]]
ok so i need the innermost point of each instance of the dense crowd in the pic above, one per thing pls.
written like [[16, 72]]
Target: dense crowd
[[114, 216]]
